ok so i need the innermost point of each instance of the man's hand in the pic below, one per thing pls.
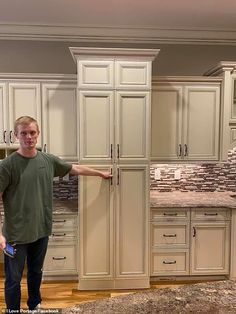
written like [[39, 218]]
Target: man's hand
[[106, 175], [2, 242]]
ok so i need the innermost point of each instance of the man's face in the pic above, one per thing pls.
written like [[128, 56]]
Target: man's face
[[27, 134]]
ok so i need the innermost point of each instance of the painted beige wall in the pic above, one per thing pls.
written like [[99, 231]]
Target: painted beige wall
[[54, 57]]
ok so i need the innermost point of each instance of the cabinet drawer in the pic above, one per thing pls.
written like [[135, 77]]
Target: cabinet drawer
[[210, 214], [63, 223], [166, 262], [130, 74], [169, 214], [169, 235], [63, 236], [60, 258]]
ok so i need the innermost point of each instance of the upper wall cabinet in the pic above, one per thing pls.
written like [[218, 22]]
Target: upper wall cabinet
[[17, 99], [59, 119], [185, 121]]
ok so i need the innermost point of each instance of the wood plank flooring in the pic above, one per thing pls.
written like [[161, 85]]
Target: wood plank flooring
[[65, 294]]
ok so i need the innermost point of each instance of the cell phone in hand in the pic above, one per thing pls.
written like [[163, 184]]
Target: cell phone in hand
[[9, 250]]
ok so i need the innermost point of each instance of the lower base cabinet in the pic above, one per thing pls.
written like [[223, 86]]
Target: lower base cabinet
[[61, 258], [190, 241]]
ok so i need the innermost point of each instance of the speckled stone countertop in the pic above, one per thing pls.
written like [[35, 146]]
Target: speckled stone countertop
[[209, 298], [192, 199]]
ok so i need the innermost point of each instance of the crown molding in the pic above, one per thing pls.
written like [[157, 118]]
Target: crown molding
[[110, 34]]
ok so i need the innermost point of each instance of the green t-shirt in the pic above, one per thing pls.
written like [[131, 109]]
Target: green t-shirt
[[27, 186]]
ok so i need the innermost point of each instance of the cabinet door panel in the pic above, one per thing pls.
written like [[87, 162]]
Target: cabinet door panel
[[166, 121], [96, 126], [132, 116], [59, 120], [201, 134], [96, 231], [96, 74], [133, 75], [132, 221], [24, 100], [210, 248]]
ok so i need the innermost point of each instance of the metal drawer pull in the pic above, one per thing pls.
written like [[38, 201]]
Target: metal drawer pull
[[59, 221], [210, 214], [180, 150], [58, 235], [59, 258], [170, 214], [170, 235], [169, 262], [4, 136]]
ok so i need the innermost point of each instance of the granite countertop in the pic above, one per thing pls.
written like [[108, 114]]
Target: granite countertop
[[209, 298], [192, 199]]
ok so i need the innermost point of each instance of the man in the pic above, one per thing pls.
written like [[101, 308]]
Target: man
[[26, 187]]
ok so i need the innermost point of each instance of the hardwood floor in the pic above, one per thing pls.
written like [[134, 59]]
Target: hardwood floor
[[65, 294]]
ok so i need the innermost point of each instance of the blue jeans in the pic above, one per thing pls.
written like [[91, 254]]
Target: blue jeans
[[34, 254]]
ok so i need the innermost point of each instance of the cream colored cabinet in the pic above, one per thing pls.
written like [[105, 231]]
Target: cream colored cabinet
[[210, 246], [169, 241], [61, 258], [114, 126], [17, 99], [60, 119], [112, 222], [185, 121]]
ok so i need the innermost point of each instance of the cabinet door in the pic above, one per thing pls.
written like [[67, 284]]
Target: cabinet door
[[133, 75], [3, 114], [96, 134], [24, 100], [96, 231], [210, 248], [166, 121], [59, 120], [132, 218], [201, 128], [133, 129]]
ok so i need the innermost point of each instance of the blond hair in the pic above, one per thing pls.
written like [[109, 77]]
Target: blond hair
[[24, 120]]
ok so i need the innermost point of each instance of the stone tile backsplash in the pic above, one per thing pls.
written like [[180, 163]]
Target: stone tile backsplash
[[66, 189], [204, 177]]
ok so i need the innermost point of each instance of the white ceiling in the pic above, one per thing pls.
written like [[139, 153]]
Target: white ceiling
[[211, 21]]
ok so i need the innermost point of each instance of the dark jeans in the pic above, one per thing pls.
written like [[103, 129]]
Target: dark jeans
[[34, 254]]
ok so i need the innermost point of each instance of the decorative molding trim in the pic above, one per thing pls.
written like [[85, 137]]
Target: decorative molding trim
[[157, 80], [111, 34], [38, 77], [221, 67]]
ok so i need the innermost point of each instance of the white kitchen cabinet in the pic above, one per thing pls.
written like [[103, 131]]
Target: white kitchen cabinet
[[17, 99], [169, 234], [185, 121], [210, 246], [114, 127], [59, 126], [112, 218], [61, 258]]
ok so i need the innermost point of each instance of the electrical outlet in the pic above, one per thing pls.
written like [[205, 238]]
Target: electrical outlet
[[177, 174], [157, 174]]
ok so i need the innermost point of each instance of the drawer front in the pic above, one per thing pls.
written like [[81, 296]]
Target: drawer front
[[210, 214], [169, 235], [63, 236], [60, 258], [170, 263], [60, 223], [169, 214]]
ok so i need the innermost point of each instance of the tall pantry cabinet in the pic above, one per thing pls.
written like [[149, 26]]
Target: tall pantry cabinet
[[114, 88]]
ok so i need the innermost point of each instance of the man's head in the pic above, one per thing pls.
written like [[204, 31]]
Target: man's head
[[26, 130]]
